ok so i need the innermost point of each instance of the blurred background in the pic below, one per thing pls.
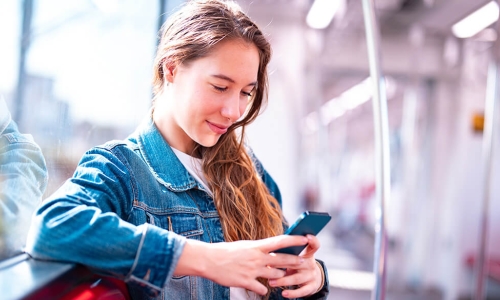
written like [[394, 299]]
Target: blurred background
[[78, 73]]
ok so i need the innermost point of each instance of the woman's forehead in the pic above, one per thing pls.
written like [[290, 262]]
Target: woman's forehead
[[237, 60]]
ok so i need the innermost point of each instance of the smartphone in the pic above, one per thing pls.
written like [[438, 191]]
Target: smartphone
[[309, 222]]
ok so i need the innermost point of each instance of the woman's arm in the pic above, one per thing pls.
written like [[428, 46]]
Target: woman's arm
[[240, 263], [83, 223]]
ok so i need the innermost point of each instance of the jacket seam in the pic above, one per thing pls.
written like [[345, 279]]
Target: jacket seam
[[138, 254], [146, 283], [132, 180], [175, 210], [177, 188]]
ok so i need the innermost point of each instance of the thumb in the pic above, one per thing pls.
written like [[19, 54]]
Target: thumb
[[282, 241], [312, 247]]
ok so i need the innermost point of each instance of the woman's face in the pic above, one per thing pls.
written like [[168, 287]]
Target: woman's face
[[205, 96]]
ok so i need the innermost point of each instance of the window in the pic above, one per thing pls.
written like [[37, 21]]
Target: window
[[85, 79]]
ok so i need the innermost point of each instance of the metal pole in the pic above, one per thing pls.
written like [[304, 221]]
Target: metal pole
[[492, 93], [162, 12], [382, 150], [24, 46]]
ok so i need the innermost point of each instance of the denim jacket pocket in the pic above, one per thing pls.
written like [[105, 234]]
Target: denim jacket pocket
[[187, 224]]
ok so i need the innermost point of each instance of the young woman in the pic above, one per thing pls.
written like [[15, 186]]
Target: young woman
[[182, 209]]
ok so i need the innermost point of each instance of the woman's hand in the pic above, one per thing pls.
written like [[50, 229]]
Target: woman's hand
[[308, 275], [239, 264]]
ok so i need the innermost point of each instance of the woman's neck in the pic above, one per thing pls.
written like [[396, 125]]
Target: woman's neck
[[168, 127]]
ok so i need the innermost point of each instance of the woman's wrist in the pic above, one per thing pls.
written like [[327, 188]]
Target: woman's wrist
[[322, 272], [191, 261]]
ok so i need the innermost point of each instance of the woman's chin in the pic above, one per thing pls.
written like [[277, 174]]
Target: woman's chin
[[209, 142]]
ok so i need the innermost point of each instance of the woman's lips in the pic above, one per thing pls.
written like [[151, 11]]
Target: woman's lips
[[219, 129]]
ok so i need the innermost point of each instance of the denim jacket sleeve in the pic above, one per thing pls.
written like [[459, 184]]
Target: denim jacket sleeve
[[84, 222], [22, 168]]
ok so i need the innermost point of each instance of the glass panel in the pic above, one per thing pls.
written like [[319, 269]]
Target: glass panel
[[87, 80]]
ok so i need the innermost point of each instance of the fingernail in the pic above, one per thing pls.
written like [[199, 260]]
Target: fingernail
[[309, 237], [301, 259], [285, 293], [272, 282]]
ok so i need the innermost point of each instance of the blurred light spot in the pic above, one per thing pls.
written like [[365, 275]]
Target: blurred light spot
[[429, 3], [106, 6], [416, 35], [311, 122], [348, 100], [451, 52], [476, 21], [352, 280], [321, 13]]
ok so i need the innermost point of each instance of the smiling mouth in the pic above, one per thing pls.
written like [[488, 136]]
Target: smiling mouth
[[219, 129]]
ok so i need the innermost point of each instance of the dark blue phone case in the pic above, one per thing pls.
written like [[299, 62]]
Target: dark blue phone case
[[309, 222]]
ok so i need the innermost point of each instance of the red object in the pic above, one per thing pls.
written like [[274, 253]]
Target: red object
[[492, 266], [99, 288]]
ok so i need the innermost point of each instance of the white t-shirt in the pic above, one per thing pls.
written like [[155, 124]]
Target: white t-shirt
[[193, 166]]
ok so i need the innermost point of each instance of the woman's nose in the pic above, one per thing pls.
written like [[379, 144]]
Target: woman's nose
[[231, 108]]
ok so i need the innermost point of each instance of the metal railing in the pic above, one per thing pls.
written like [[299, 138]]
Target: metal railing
[[492, 94], [382, 150]]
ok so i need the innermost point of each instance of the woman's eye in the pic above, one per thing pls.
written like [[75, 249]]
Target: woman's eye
[[220, 89], [250, 93]]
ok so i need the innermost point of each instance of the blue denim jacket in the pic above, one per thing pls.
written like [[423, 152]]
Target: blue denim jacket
[[128, 210], [23, 179]]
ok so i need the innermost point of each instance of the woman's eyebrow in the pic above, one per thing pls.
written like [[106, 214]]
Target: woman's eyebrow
[[224, 77]]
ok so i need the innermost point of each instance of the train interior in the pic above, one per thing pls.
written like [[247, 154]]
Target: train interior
[[77, 74]]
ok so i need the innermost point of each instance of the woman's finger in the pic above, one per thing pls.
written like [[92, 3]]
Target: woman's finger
[[312, 247], [298, 278], [281, 241], [257, 287], [272, 273], [283, 261], [308, 278], [303, 291]]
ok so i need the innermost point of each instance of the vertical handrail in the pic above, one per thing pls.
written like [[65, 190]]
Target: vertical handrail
[[492, 93], [382, 151], [162, 12], [25, 44]]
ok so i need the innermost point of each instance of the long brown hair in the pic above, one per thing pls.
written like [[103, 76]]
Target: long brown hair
[[246, 208]]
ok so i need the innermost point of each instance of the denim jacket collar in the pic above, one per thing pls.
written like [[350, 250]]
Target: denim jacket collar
[[162, 161], [4, 115]]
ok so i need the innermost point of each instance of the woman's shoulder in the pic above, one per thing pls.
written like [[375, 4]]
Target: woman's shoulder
[[256, 162], [113, 151], [114, 147], [129, 143], [264, 175]]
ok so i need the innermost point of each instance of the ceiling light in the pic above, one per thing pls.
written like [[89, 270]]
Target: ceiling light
[[476, 21], [348, 100], [321, 13]]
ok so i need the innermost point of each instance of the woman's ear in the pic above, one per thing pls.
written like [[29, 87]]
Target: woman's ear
[[169, 69]]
